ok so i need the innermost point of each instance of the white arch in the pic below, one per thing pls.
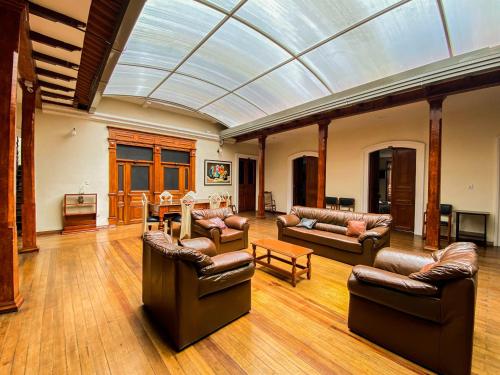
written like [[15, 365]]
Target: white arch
[[289, 188], [419, 176]]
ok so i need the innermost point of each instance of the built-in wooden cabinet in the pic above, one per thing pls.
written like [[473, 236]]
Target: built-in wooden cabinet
[[79, 213], [146, 163]]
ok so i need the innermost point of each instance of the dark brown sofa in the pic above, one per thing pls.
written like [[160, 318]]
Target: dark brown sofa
[[328, 237], [235, 237], [190, 290], [425, 316]]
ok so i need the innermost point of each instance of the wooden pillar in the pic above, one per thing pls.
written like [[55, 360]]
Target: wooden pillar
[[434, 170], [322, 148], [10, 19], [261, 213], [28, 166]]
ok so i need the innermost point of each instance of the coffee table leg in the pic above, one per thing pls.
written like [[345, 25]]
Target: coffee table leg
[[294, 270], [308, 266], [268, 256], [254, 254]]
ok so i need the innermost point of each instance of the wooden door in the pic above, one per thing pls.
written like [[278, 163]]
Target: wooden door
[[305, 181], [137, 180], [311, 165], [246, 184], [373, 182], [403, 189]]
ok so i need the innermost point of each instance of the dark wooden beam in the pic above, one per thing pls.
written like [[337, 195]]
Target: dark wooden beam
[[56, 43], [54, 86], [48, 101], [261, 212], [54, 16], [55, 75], [434, 172], [10, 19], [453, 86], [54, 60], [51, 94], [28, 166], [322, 150], [26, 65]]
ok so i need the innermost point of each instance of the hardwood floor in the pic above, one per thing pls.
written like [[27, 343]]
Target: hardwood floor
[[83, 314]]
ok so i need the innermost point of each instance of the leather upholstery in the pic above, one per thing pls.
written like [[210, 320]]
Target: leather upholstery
[[203, 245], [329, 239], [189, 293], [436, 315], [235, 237]]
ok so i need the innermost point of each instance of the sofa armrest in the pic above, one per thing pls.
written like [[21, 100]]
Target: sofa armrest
[[202, 244], [206, 224], [377, 233], [288, 220], [226, 262], [236, 222], [392, 280], [403, 262]]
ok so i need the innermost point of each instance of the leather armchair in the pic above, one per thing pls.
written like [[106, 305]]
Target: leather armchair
[[425, 315], [235, 237], [190, 290]]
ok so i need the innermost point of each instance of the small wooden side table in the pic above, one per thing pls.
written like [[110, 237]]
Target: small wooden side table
[[480, 238], [287, 249]]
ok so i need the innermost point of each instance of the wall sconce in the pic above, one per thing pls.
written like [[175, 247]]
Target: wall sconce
[[73, 132], [221, 143]]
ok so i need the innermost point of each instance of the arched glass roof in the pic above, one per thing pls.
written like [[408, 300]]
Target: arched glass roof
[[239, 61]]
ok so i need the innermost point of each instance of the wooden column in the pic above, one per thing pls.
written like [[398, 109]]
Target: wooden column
[[261, 213], [10, 18], [28, 166], [322, 148], [434, 179]]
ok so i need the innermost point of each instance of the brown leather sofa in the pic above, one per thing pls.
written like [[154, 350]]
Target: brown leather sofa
[[328, 237], [235, 237], [425, 316], [190, 290]]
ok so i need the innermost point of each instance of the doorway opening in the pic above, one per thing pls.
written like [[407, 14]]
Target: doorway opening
[[247, 182], [305, 181], [392, 177]]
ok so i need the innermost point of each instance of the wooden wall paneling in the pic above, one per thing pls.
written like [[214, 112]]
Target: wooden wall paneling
[[113, 184], [434, 170], [28, 166], [322, 150], [262, 161], [10, 19]]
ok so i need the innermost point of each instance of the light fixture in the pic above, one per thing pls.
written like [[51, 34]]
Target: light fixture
[[221, 143], [73, 132]]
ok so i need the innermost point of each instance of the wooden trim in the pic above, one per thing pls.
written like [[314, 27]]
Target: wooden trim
[[54, 86], [261, 168], [322, 153]]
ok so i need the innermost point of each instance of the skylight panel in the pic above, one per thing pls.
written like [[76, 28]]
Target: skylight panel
[[285, 87], [299, 24], [404, 38], [133, 80], [232, 110], [233, 55], [227, 5], [472, 25], [187, 91], [167, 30]]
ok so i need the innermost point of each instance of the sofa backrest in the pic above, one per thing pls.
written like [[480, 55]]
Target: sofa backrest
[[340, 218], [208, 214]]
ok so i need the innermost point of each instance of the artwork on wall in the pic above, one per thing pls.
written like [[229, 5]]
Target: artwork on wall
[[218, 172]]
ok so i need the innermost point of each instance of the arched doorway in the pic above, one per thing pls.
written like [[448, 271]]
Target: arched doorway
[[290, 163], [305, 181]]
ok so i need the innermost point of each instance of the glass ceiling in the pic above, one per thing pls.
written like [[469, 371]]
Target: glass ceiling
[[239, 61]]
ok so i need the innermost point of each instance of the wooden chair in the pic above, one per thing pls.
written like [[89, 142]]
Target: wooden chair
[[332, 203], [148, 220], [269, 202], [214, 200], [166, 196], [346, 204], [446, 221], [229, 201]]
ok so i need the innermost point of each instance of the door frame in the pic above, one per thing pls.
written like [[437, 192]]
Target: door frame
[[419, 177], [496, 238], [289, 189], [236, 175]]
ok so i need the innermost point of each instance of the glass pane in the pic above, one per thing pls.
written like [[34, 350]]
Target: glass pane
[[232, 110], [225, 4], [167, 30], [174, 156], [472, 24], [186, 178], [171, 178], [139, 176], [133, 80], [187, 91], [404, 38], [299, 24], [134, 153], [120, 177], [285, 87], [233, 55]]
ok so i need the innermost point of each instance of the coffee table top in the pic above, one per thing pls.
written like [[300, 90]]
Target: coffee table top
[[281, 247]]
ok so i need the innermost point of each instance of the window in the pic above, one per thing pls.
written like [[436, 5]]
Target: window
[[139, 178], [171, 178], [134, 153], [174, 156]]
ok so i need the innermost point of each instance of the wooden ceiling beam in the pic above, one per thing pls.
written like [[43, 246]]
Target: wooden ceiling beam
[[51, 74], [55, 95], [54, 60], [47, 40], [54, 86], [47, 101], [54, 16]]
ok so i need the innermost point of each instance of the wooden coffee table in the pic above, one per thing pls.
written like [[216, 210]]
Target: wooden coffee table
[[288, 250]]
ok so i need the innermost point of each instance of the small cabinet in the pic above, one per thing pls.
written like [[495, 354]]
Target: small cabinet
[[79, 213]]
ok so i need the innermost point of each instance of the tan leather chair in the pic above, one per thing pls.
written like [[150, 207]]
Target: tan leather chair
[[235, 237], [426, 316], [192, 291]]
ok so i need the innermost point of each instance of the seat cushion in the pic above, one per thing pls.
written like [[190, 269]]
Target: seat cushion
[[230, 234], [320, 237]]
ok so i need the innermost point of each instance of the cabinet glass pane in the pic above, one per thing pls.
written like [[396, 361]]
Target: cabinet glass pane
[[120, 177], [134, 153], [171, 178], [173, 156], [139, 176]]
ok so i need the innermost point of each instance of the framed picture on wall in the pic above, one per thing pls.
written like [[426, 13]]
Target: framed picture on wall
[[218, 172]]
